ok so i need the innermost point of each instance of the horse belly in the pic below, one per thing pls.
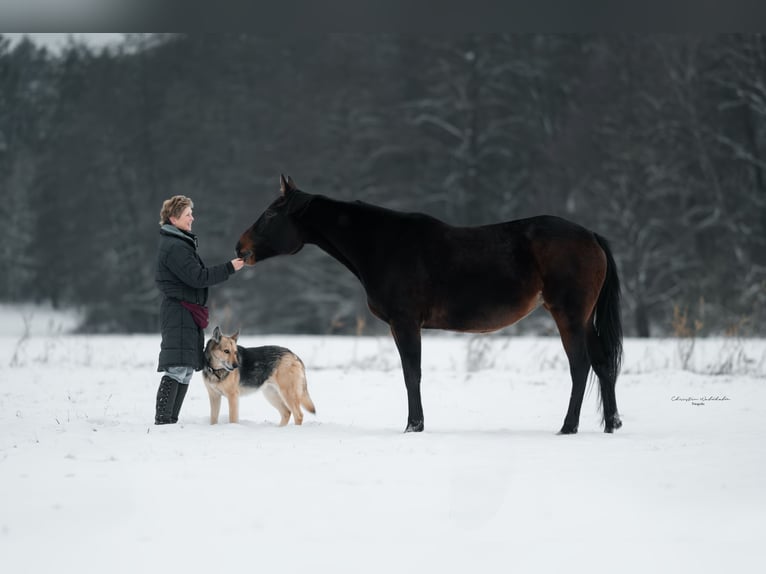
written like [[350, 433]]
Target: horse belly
[[481, 316]]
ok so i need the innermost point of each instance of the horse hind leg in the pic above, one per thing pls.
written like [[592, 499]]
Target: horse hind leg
[[576, 348], [607, 381]]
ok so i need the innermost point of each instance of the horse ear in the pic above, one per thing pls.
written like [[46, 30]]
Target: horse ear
[[217, 334], [286, 184], [283, 185]]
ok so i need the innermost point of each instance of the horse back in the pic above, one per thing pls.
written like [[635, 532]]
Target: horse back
[[481, 279]]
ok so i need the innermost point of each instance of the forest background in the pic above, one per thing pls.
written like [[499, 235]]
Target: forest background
[[657, 142]]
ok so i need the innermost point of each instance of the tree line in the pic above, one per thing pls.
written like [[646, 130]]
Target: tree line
[[655, 141]]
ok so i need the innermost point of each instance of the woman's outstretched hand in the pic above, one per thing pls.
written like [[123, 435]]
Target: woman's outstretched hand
[[238, 263]]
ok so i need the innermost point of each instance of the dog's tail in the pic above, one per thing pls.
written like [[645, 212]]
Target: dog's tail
[[306, 401]]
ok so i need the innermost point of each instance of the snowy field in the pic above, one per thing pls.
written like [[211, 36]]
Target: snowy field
[[90, 485]]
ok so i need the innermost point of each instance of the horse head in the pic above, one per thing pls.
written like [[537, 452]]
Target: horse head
[[276, 231]]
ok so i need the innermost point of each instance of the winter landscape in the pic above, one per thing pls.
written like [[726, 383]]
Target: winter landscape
[[89, 484]]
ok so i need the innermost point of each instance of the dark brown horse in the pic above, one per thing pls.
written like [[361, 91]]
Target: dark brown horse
[[419, 272]]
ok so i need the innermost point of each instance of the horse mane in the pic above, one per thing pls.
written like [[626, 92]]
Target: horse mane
[[388, 212]]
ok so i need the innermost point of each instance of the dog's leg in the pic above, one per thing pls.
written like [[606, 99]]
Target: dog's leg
[[233, 406], [215, 404], [291, 397], [294, 404], [290, 380], [272, 395]]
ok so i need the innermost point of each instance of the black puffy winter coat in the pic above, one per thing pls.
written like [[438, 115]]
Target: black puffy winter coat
[[182, 276]]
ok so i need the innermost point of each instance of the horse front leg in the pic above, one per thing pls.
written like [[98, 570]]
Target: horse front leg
[[407, 338]]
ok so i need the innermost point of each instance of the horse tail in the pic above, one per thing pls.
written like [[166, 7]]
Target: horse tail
[[606, 351]]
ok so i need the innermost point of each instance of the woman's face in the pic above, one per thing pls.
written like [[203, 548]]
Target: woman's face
[[183, 221]]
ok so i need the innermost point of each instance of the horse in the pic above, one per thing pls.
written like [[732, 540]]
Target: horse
[[421, 273]]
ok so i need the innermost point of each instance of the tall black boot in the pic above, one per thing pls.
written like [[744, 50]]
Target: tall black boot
[[179, 401], [166, 398]]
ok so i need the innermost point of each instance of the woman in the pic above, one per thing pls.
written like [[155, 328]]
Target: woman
[[183, 279]]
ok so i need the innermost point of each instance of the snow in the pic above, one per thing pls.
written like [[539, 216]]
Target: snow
[[89, 484]]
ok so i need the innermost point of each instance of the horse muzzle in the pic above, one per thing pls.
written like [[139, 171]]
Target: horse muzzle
[[248, 255]]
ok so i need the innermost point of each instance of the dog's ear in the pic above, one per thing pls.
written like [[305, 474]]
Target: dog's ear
[[235, 336], [217, 334]]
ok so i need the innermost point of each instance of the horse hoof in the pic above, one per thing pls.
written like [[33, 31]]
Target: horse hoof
[[568, 430], [416, 426], [614, 425]]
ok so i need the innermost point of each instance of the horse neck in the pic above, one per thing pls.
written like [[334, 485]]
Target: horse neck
[[342, 229]]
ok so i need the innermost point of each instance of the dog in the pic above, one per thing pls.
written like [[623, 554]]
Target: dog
[[231, 370]]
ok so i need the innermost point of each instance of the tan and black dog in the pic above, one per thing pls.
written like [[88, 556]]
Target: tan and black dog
[[231, 371]]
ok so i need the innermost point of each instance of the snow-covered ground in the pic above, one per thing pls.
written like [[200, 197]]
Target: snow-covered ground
[[89, 484]]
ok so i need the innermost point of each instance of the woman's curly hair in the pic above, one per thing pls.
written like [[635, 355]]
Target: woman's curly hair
[[174, 207]]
